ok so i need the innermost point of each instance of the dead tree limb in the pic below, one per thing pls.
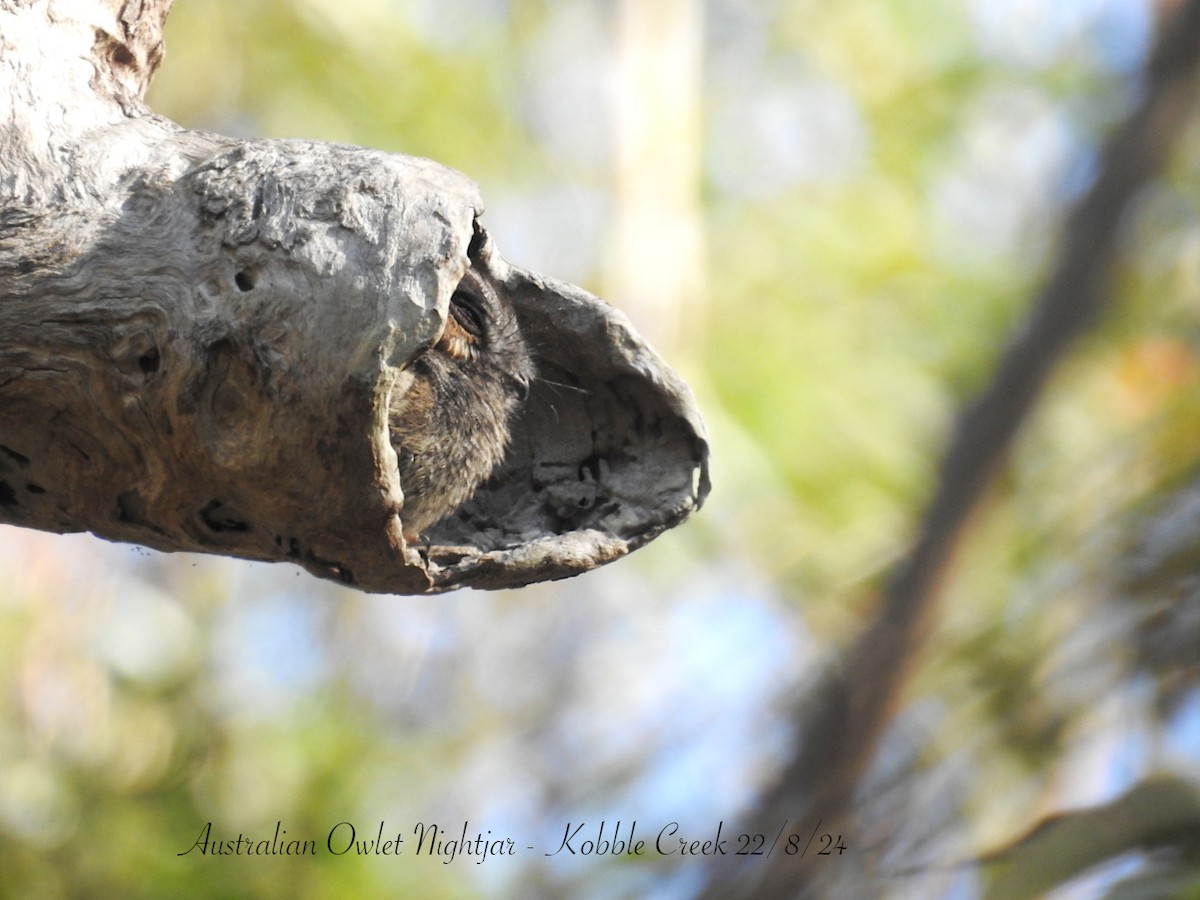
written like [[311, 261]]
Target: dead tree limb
[[199, 337]]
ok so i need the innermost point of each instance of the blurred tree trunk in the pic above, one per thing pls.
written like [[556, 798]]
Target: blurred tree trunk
[[840, 723], [656, 269]]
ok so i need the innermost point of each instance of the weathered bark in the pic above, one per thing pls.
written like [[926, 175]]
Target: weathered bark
[[199, 337]]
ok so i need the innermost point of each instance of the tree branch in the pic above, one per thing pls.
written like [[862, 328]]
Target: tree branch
[[843, 718], [200, 338]]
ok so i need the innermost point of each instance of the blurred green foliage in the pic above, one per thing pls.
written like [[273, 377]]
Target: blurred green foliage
[[882, 190]]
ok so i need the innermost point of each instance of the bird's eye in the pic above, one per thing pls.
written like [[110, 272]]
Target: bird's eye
[[467, 310]]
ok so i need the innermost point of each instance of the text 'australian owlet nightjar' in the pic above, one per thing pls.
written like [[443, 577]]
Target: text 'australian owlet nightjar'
[[451, 411]]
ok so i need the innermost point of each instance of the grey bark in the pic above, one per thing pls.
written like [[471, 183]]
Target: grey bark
[[199, 337]]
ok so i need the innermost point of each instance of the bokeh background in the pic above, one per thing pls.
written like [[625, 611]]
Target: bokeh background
[[827, 216]]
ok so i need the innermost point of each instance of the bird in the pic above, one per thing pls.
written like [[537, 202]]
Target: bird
[[451, 412]]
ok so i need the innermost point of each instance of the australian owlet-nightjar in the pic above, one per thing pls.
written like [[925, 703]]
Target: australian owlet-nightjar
[[452, 408]]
